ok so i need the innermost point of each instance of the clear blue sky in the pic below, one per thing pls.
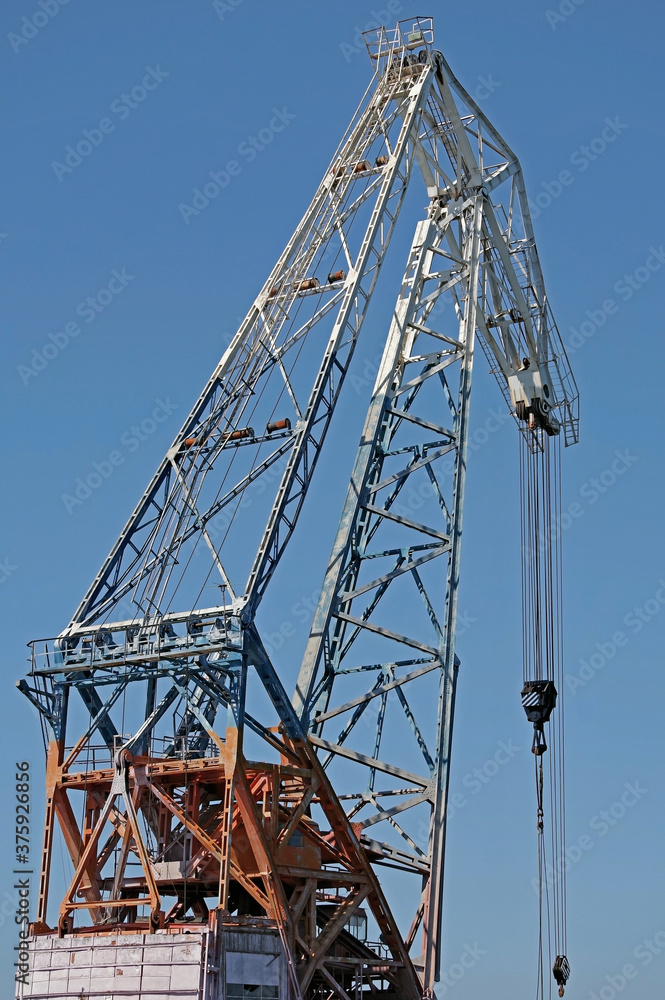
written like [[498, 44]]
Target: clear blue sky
[[172, 289]]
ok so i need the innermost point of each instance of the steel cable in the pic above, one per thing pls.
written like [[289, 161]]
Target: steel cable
[[542, 637]]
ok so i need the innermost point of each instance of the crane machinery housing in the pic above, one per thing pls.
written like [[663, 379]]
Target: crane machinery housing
[[228, 836]]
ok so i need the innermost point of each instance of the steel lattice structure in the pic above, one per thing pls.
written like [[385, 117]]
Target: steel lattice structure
[[147, 708]]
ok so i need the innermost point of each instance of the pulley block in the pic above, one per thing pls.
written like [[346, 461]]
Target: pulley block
[[561, 972]]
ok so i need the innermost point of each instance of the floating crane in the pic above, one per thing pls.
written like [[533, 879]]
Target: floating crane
[[230, 835]]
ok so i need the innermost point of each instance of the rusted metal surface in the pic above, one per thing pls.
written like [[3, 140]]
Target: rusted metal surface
[[249, 831]]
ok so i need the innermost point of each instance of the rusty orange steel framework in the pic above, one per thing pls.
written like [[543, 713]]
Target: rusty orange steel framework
[[253, 848], [199, 793]]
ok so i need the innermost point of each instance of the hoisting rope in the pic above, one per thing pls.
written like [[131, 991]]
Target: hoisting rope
[[543, 690]]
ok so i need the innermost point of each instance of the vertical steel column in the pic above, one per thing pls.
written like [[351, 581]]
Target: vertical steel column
[[434, 899], [54, 757], [233, 744], [376, 413]]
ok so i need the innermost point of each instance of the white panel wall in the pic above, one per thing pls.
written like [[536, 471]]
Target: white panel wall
[[140, 966]]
